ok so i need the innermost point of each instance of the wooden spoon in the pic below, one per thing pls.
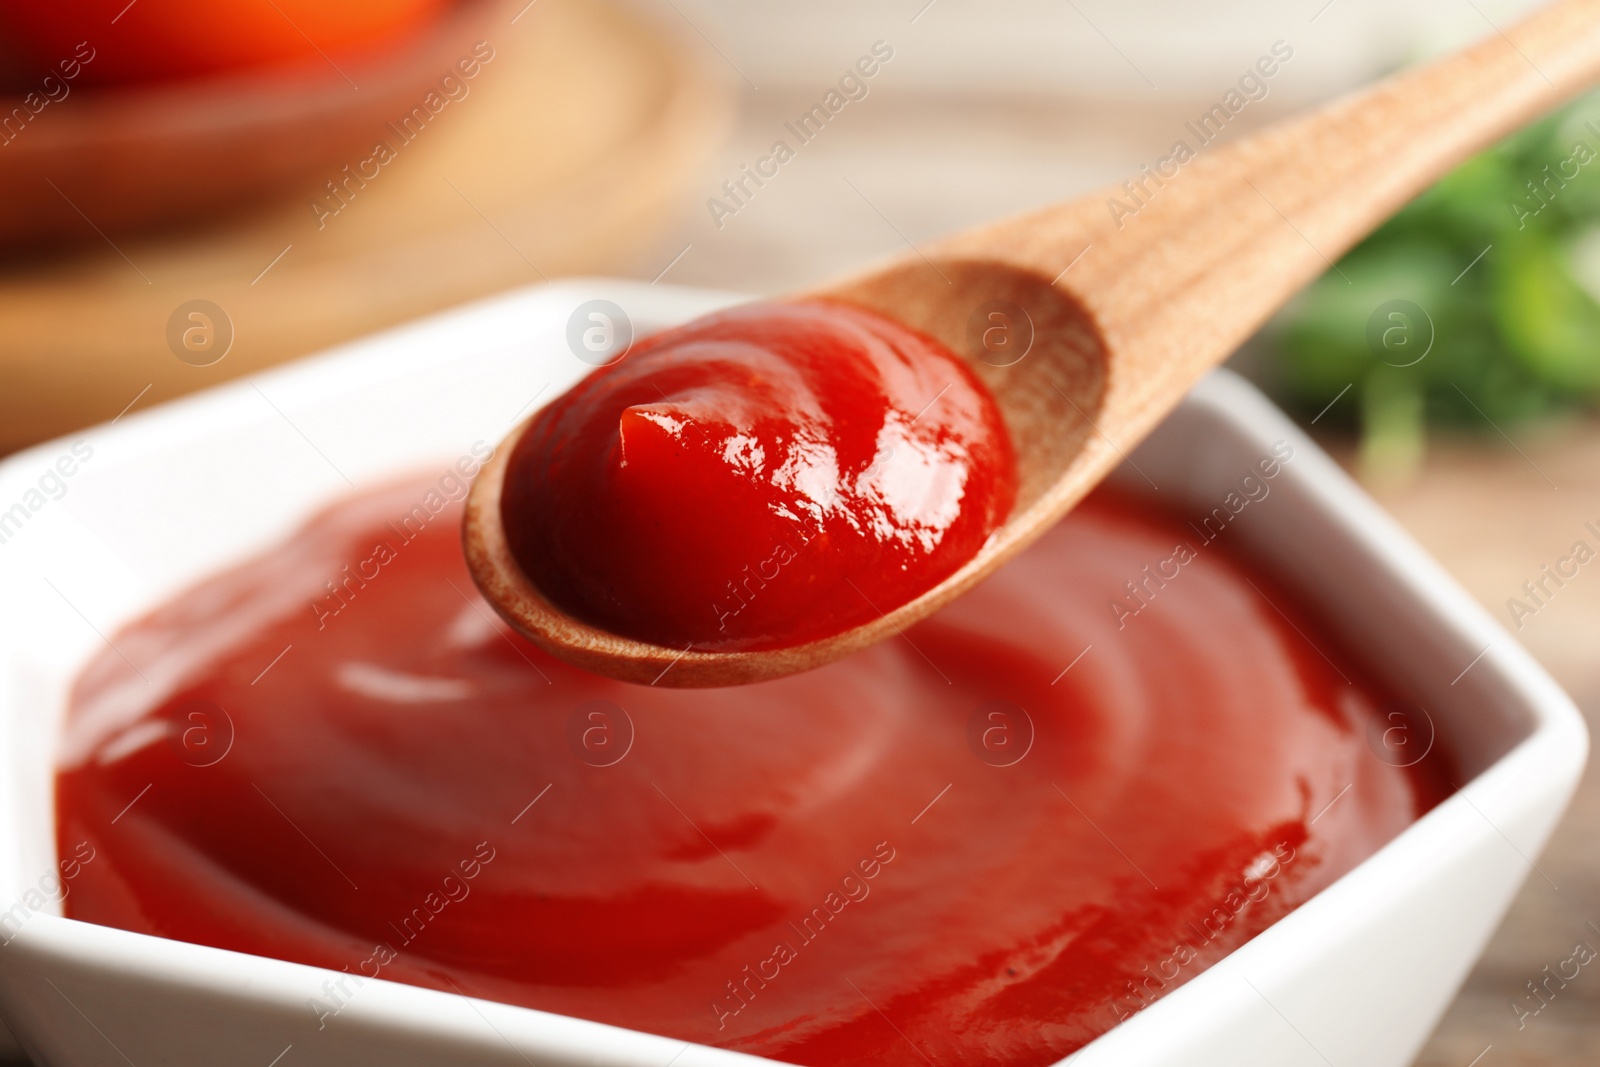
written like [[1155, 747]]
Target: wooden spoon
[[1120, 311]]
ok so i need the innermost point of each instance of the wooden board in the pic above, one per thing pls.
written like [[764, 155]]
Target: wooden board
[[570, 151]]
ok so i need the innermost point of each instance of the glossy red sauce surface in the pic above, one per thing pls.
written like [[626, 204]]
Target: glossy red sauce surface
[[876, 862], [760, 477]]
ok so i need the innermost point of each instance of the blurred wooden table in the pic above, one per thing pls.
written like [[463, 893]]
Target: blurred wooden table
[[1494, 521], [567, 154]]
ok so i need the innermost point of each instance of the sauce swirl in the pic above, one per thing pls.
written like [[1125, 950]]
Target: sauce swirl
[[985, 843]]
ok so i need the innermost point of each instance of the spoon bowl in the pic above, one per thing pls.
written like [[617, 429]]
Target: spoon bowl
[[1090, 320], [1049, 372]]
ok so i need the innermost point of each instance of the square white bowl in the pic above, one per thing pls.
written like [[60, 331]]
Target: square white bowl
[[1357, 976]]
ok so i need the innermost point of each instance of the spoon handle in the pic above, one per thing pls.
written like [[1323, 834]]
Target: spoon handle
[[1193, 264]]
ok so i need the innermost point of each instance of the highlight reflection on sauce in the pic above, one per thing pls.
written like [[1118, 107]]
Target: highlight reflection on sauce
[[951, 846]]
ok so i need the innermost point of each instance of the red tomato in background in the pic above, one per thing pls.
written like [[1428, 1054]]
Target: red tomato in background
[[152, 40]]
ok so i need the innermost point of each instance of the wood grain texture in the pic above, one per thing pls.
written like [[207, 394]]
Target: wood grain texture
[[1128, 312], [568, 155]]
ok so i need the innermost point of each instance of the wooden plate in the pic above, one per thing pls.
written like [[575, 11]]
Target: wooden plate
[[572, 145], [134, 157]]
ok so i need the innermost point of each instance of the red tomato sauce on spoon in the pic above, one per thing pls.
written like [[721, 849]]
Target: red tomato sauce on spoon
[[984, 843], [759, 478]]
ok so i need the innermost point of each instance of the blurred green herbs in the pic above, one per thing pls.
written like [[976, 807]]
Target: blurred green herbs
[[1477, 306]]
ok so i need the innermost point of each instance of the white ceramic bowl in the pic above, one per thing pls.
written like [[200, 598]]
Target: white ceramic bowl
[[1357, 976]]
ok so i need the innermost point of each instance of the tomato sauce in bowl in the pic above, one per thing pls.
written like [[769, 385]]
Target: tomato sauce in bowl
[[1056, 800]]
